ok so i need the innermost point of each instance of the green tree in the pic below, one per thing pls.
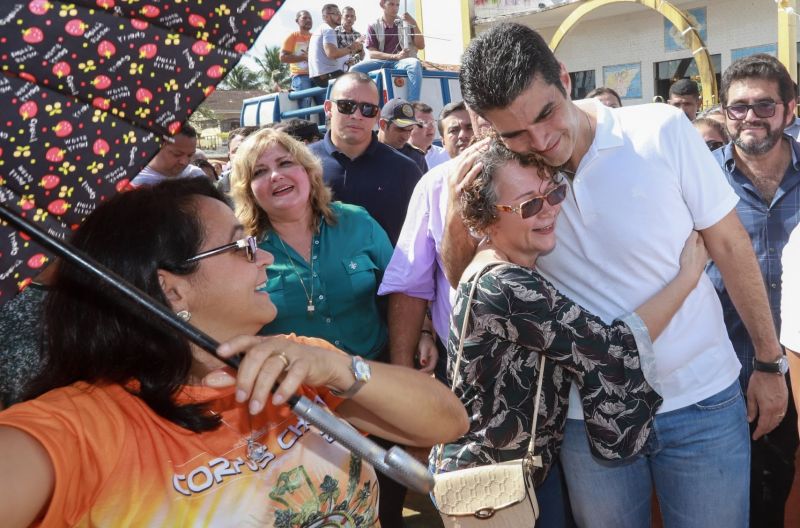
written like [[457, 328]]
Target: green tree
[[241, 78], [272, 70]]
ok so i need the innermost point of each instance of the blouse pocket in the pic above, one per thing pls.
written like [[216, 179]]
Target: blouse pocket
[[361, 270]]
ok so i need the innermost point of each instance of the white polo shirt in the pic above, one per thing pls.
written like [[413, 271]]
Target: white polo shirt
[[646, 182], [790, 292], [318, 62]]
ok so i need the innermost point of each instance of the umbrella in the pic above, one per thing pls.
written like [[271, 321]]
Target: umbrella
[[90, 89]]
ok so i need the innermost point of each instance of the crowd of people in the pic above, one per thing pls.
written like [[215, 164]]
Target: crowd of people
[[644, 269]]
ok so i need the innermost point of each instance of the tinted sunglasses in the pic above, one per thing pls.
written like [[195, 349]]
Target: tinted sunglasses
[[348, 107], [249, 245], [531, 207], [762, 110], [714, 145]]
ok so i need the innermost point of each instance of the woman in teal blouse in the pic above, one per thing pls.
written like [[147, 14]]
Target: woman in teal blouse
[[329, 256]]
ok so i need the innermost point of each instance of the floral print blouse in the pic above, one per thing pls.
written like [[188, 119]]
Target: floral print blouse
[[515, 315]]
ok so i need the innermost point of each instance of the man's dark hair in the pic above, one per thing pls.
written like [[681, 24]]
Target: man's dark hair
[[300, 129], [448, 109], [712, 123], [758, 66], [502, 63], [187, 130], [684, 87], [326, 7], [300, 13], [242, 132], [600, 90], [94, 337], [424, 108]]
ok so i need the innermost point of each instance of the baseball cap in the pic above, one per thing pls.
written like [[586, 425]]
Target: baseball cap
[[400, 112]]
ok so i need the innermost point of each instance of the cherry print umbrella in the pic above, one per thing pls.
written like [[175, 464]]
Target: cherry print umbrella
[[89, 89]]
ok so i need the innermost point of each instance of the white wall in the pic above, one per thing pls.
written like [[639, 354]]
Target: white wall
[[442, 19], [639, 37]]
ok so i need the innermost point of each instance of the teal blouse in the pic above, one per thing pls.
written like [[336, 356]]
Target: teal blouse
[[347, 265]]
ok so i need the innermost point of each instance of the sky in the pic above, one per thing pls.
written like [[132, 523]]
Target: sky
[[283, 23]]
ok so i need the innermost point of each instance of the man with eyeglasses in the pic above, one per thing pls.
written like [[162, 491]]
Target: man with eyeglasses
[[360, 169], [325, 57], [423, 135], [641, 181], [395, 127], [762, 164]]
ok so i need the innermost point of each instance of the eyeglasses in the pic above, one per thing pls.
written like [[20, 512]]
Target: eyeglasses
[[763, 110], [713, 144], [249, 245], [348, 107], [531, 207]]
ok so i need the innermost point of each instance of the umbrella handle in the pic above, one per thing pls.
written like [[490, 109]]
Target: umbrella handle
[[396, 464]]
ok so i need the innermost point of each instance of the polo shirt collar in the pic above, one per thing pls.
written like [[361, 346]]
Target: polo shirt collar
[[331, 149], [608, 133]]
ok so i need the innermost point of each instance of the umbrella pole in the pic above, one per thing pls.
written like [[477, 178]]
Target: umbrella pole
[[395, 463]]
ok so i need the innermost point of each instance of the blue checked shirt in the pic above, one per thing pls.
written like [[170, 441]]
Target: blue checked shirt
[[769, 226]]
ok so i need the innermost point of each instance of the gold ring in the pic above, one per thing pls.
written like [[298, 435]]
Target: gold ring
[[285, 360]]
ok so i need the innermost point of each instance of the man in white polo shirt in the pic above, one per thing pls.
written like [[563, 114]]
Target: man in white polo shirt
[[641, 181]]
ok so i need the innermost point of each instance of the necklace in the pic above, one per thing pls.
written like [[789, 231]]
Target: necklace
[[309, 297], [255, 449]]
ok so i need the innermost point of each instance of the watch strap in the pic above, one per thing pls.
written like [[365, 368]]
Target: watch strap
[[774, 367], [358, 382]]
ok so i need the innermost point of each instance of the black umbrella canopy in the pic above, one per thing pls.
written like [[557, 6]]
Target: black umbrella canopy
[[89, 90]]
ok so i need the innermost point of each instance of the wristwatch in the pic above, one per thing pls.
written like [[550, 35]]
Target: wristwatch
[[781, 366], [361, 373]]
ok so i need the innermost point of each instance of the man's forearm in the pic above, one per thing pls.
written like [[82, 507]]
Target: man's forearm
[[458, 247], [380, 55], [406, 315], [732, 251]]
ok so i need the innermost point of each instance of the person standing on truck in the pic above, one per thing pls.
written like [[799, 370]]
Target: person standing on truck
[[393, 43], [326, 58], [346, 35], [295, 53]]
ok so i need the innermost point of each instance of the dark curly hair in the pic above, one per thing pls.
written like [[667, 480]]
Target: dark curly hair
[[479, 197]]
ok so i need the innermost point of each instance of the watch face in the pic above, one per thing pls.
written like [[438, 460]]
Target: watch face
[[361, 370], [783, 365]]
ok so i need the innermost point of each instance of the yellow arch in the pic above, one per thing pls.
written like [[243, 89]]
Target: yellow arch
[[671, 13]]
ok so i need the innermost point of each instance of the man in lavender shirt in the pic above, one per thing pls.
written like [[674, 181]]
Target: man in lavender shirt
[[415, 274]]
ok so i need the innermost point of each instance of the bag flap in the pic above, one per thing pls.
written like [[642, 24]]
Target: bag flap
[[467, 491]]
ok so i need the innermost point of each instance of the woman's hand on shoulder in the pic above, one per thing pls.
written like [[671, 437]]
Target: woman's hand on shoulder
[[694, 258], [272, 360]]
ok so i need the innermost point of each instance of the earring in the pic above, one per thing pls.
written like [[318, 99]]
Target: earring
[[185, 315]]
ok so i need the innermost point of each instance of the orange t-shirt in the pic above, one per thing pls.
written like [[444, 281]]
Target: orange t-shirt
[[117, 463], [294, 44]]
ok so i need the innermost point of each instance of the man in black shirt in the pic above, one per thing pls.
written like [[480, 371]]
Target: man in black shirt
[[358, 168]]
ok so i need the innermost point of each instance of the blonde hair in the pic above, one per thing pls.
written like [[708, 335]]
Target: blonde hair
[[255, 219]]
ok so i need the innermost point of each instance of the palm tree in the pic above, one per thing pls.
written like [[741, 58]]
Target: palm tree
[[272, 69], [241, 78]]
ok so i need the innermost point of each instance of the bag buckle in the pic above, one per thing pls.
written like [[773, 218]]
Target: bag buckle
[[484, 513], [532, 461]]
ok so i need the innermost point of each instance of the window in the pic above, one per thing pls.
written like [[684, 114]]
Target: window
[[668, 72], [582, 83]]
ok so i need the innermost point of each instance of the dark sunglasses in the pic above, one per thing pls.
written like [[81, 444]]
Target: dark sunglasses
[[714, 145], [531, 207], [348, 107], [763, 110], [249, 245]]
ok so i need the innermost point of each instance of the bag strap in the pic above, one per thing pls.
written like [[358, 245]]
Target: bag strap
[[460, 351]]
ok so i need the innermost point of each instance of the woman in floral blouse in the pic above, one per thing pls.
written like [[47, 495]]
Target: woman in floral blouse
[[517, 314]]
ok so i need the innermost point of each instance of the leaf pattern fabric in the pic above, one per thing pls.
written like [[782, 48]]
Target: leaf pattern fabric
[[516, 315]]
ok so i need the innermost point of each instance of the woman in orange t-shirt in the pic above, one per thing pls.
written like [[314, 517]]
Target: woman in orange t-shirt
[[132, 425]]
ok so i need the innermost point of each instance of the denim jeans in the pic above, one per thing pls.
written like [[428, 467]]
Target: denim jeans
[[411, 65], [698, 458], [302, 82]]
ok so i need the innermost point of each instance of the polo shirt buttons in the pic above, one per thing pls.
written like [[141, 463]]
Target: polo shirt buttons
[[337, 342], [773, 285], [316, 242], [328, 320], [321, 297]]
